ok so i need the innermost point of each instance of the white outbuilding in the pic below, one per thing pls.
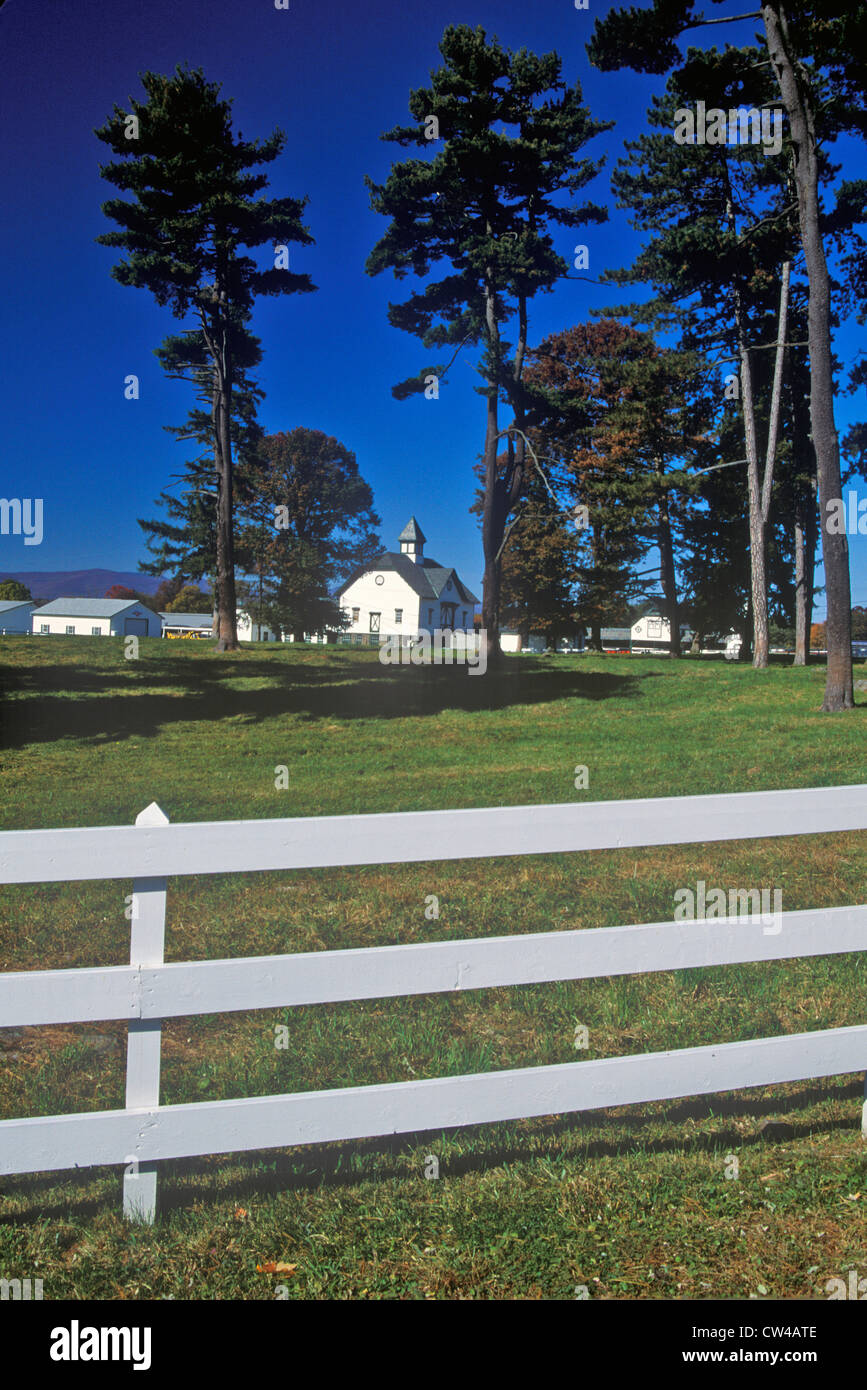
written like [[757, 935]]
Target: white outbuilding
[[15, 615], [652, 634], [249, 631], [96, 617]]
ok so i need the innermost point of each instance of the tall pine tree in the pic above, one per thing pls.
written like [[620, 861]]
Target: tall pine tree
[[508, 136], [194, 210]]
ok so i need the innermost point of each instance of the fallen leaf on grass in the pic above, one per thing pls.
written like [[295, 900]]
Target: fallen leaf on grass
[[276, 1267]]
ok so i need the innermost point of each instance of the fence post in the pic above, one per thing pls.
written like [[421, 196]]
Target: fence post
[[147, 942]]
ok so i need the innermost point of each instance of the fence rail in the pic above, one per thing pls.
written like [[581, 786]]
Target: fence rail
[[238, 846], [149, 990]]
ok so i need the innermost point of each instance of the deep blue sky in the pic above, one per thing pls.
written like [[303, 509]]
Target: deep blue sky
[[333, 76]]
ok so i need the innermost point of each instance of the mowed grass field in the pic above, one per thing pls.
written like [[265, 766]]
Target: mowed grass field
[[628, 1203]]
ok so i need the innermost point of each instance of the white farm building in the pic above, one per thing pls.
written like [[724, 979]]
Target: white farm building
[[249, 631], [96, 617], [15, 615], [652, 634], [404, 593]]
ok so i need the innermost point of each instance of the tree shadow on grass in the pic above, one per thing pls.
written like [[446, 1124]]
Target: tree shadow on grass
[[331, 1165], [68, 701], [183, 1181]]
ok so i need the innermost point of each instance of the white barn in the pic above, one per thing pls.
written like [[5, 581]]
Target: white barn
[[96, 617], [16, 615], [405, 592]]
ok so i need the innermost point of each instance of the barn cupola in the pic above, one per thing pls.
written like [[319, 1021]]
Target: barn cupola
[[412, 539]]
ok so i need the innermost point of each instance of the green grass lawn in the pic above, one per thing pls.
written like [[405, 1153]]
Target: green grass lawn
[[629, 1203]]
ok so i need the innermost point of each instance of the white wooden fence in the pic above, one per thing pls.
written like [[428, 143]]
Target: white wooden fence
[[148, 990]]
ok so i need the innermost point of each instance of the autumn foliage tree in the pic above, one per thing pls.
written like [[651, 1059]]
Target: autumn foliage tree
[[311, 522], [122, 591], [624, 421], [189, 599]]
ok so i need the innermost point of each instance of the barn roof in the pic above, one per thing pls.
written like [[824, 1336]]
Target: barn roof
[[88, 607], [7, 603], [439, 576], [427, 577], [187, 619]]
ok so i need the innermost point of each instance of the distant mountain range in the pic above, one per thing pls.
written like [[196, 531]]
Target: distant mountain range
[[49, 584]]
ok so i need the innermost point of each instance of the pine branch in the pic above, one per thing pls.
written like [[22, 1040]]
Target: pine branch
[[767, 220], [454, 355], [727, 19], [715, 467]]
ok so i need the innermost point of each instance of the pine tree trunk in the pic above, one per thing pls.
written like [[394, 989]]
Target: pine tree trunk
[[746, 651], [758, 579], [227, 634], [839, 693], [493, 525], [493, 512], [811, 542], [805, 523], [776, 393], [667, 574], [801, 617], [215, 607]]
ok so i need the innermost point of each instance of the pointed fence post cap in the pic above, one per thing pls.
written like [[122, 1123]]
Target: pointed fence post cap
[[152, 815]]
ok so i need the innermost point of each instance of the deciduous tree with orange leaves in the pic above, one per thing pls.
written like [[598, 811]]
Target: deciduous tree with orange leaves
[[625, 422]]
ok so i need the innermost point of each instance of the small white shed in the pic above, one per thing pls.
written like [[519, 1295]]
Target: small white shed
[[15, 615], [650, 634], [248, 631], [96, 617]]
